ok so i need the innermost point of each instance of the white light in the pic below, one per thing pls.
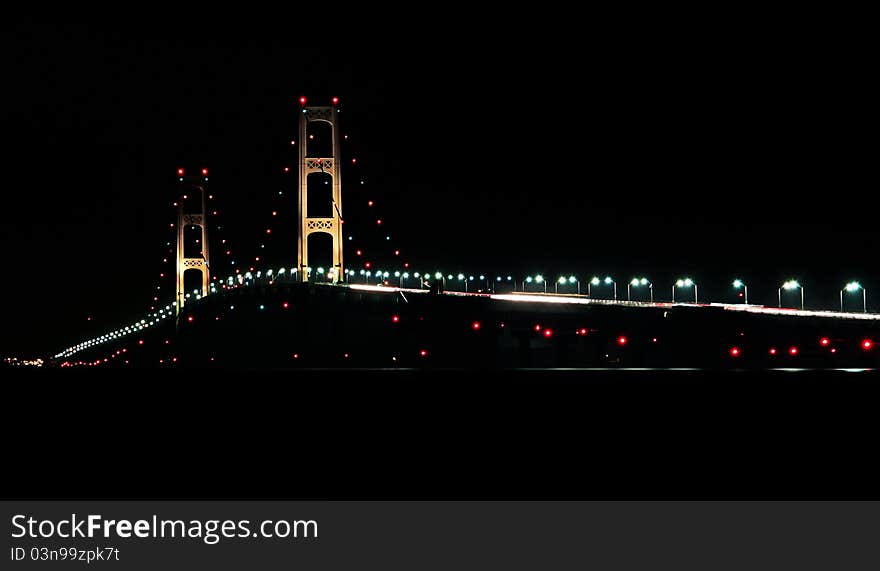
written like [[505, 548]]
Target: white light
[[539, 278], [680, 283], [460, 277], [737, 284], [608, 280], [561, 279], [438, 275], [853, 286], [634, 282], [688, 282], [396, 274], [594, 281]]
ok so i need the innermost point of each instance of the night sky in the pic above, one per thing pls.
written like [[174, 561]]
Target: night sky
[[518, 145]]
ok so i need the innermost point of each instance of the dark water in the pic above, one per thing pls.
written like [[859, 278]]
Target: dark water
[[443, 434]]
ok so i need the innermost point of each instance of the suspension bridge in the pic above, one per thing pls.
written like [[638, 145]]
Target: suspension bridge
[[393, 313]]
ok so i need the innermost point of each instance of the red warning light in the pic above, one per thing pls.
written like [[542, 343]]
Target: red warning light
[[302, 100], [179, 172], [537, 327], [423, 353], [285, 305], [622, 340], [475, 325], [582, 331], [793, 351], [824, 341], [867, 344], [190, 318], [548, 333], [204, 172], [395, 318], [772, 350], [335, 101], [734, 352]]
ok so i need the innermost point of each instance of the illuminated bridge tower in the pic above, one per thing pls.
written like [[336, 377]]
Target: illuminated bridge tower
[[331, 220], [200, 219]]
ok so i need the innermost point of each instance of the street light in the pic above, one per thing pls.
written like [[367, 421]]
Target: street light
[[571, 280], [687, 282], [791, 284], [638, 282], [851, 287], [540, 279], [740, 284], [597, 281]]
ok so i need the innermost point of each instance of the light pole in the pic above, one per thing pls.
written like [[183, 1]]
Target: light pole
[[638, 282], [851, 287], [741, 284], [687, 282], [574, 280], [597, 281], [791, 284], [561, 280], [540, 279]]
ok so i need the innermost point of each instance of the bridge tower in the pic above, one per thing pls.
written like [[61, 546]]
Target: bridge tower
[[332, 165], [202, 262]]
